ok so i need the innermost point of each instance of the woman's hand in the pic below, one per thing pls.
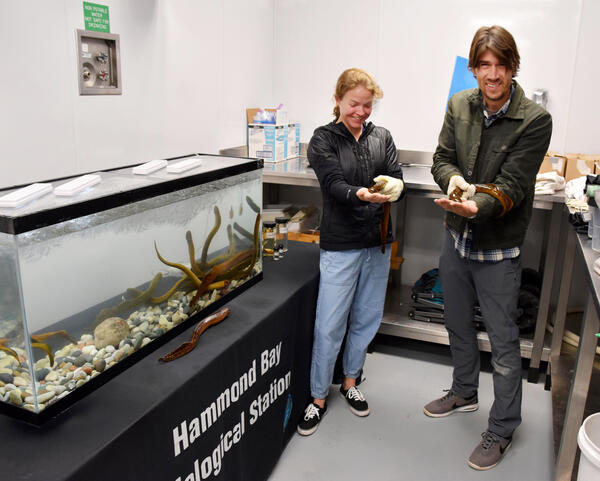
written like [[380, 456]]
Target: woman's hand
[[364, 194]]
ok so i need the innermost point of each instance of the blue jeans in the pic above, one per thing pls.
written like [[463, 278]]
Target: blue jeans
[[352, 296]]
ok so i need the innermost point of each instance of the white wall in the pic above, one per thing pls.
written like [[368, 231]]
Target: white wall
[[410, 47], [185, 72], [582, 128], [190, 67]]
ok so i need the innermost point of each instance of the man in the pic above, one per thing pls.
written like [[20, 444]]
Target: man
[[491, 135]]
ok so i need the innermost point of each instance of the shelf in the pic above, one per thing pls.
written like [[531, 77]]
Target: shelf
[[396, 322]]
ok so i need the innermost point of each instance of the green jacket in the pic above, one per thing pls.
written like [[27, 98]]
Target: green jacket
[[516, 145]]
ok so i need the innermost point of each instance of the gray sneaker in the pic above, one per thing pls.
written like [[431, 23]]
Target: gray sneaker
[[489, 451], [450, 403]]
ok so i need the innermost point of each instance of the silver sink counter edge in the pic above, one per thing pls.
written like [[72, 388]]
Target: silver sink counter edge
[[417, 178], [416, 167]]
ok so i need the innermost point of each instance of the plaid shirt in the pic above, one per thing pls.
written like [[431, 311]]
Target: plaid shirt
[[489, 117], [463, 243]]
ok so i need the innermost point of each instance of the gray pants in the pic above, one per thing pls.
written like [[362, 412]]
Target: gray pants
[[496, 286]]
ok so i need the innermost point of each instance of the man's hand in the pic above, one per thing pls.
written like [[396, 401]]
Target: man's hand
[[466, 209], [364, 194], [462, 184]]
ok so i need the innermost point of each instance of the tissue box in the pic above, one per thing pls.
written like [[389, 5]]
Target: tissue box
[[267, 142], [293, 140]]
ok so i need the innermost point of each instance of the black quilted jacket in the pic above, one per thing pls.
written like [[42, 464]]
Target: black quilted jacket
[[343, 166]]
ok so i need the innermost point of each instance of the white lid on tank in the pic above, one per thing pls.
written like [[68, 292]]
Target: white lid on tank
[[24, 195], [77, 185], [149, 167], [184, 165]]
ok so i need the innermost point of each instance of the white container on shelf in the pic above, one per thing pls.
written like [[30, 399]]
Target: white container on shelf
[[596, 223], [588, 440]]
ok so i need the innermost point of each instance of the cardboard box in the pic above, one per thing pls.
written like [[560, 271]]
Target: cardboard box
[[279, 117], [579, 165], [554, 163], [593, 158], [272, 139], [266, 142]]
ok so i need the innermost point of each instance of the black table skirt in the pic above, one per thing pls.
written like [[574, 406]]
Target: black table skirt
[[234, 401]]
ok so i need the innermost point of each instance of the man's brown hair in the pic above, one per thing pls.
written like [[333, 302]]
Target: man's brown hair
[[500, 42]]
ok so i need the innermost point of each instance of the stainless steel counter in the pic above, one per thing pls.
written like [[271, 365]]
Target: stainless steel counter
[[419, 181], [417, 177], [576, 244]]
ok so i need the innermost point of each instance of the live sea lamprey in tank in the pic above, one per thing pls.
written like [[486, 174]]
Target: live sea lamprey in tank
[[210, 275], [146, 316], [37, 342], [121, 268]]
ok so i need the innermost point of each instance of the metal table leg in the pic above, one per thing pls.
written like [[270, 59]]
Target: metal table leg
[[578, 393], [544, 307], [563, 296]]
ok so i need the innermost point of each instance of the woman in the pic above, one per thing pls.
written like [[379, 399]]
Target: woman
[[349, 155]]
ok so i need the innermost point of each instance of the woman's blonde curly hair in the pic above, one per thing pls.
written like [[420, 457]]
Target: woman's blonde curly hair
[[352, 78]]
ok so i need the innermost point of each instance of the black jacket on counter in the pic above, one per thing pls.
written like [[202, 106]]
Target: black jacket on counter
[[344, 165]]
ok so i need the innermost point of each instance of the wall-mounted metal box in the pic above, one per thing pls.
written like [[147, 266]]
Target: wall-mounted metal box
[[98, 63]]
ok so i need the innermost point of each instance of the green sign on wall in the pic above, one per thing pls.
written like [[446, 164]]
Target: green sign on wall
[[96, 17]]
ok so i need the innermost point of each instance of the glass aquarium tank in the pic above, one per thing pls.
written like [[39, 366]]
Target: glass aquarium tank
[[94, 280]]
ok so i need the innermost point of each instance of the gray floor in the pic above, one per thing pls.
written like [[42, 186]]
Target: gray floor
[[398, 442]]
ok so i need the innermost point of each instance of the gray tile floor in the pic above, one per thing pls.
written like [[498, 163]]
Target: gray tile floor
[[398, 442]]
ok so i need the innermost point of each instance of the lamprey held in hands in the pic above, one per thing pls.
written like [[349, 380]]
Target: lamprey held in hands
[[491, 189], [385, 217], [202, 326]]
